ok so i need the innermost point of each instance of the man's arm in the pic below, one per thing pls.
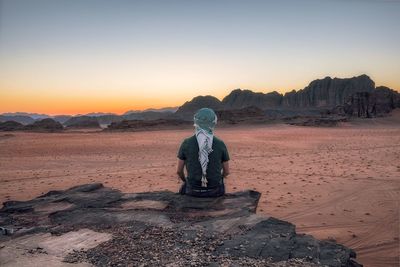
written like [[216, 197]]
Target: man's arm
[[225, 169], [179, 171]]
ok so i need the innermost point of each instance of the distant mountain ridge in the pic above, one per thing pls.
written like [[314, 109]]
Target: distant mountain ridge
[[347, 95], [326, 93]]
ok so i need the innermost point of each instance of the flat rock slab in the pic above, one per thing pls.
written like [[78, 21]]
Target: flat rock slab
[[45, 249], [94, 225]]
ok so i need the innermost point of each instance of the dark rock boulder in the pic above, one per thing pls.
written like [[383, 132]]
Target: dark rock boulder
[[238, 99], [82, 122], [11, 126], [106, 227], [45, 125]]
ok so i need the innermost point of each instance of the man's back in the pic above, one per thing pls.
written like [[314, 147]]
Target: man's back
[[189, 152]]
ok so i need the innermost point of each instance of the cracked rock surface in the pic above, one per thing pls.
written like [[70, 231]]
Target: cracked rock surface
[[92, 225]]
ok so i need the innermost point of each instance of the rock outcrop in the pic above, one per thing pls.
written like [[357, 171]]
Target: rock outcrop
[[11, 126], [82, 122], [45, 125], [187, 110], [142, 125], [244, 115], [328, 92], [370, 104], [239, 99], [91, 224]]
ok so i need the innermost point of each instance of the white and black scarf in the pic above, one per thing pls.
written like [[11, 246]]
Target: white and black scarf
[[205, 141]]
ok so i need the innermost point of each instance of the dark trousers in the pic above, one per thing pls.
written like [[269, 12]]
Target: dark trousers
[[186, 189]]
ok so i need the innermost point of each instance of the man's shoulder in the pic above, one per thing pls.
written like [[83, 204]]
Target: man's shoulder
[[218, 141], [190, 140]]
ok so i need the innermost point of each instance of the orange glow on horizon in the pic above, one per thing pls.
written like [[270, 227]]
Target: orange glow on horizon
[[64, 104]]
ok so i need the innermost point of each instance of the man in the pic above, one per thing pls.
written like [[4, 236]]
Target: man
[[205, 157]]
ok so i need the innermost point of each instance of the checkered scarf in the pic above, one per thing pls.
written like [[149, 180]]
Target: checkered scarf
[[205, 140]]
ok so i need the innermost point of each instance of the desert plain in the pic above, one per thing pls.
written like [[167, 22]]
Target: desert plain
[[340, 183]]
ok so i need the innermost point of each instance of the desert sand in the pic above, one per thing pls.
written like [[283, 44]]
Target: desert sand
[[339, 183]]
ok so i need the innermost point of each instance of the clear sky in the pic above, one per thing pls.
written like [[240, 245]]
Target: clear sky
[[79, 56]]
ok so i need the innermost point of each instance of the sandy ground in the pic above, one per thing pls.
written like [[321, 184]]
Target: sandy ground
[[334, 183]]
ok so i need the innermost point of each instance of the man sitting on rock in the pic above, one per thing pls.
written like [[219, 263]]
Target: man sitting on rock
[[206, 158]]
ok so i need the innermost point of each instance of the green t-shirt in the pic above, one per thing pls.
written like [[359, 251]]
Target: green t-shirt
[[189, 152]]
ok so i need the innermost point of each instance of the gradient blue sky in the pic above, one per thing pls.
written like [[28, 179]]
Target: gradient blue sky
[[77, 56]]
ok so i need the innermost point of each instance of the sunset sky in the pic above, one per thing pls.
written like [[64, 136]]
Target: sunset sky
[[80, 56]]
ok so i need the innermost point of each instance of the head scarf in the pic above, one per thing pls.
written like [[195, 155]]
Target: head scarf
[[205, 120]]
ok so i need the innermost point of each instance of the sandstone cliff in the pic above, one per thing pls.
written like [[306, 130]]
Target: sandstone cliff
[[328, 92], [371, 104], [238, 99], [187, 110]]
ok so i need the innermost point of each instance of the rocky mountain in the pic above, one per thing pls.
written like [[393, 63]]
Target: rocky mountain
[[356, 95], [98, 114], [318, 97], [82, 122], [238, 99], [328, 92], [166, 109], [187, 110], [370, 104], [46, 125], [11, 126], [62, 118], [35, 116], [143, 125], [247, 115], [17, 118], [147, 115], [108, 119]]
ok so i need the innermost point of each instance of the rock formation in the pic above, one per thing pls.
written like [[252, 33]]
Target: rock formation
[[45, 125], [147, 115], [108, 119], [370, 104], [17, 118], [91, 224], [356, 96], [142, 125], [328, 92], [238, 99], [82, 122], [187, 110], [11, 126], [318, 97], [62, 118], [244, 115]]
